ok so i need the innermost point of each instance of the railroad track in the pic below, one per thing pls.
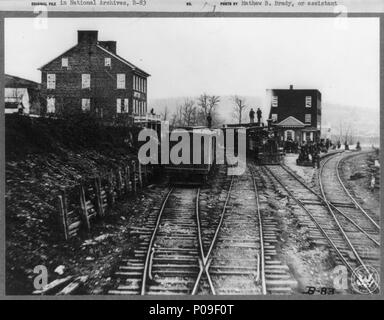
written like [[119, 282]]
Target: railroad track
[[182, 252], [167, 260], [241, 256], [353, 242], [365, 241]]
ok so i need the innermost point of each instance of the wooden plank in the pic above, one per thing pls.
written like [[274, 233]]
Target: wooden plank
[[74, 225], [84, 210], [62, 216], [73, 286], [54, 284]]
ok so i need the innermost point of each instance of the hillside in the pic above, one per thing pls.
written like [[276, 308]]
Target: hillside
[[42, 157], [364, 121]]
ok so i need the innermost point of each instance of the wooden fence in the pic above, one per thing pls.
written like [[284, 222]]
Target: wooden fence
[[79, 207]]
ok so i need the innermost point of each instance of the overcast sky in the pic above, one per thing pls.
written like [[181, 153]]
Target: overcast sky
[[222, 56]]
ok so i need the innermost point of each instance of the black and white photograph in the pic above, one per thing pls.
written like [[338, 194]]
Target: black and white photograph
[[182, 156]]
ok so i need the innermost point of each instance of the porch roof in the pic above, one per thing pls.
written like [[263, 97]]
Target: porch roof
[[291, 122]]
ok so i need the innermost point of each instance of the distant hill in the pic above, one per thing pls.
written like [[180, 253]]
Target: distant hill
[[365, 122], [225, 108]]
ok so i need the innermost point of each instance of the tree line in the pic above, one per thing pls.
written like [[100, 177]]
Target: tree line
[[195, 111]]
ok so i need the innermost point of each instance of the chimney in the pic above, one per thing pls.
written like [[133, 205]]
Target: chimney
[[87, 36], [291, 87], [109, 45]]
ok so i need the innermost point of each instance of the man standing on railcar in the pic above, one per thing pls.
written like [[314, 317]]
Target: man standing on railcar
[[252, 116], [258, 116], [209, 120]]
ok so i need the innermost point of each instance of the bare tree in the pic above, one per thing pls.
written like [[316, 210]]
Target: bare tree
[[239, 108], [208, 105], [189, 112], [165, 114]]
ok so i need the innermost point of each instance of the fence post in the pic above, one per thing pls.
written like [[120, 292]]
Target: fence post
[[97, 184], [63, 214], [140, 175], [84, 211], [145, 174], [127, 179], [134, 176]]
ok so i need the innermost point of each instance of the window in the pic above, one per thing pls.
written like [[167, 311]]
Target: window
[[126, 105], [85, 81], [50, 105], [107, 62], [308, 101], [51, 81], [118, 105], [145, 107], [86, 104], [145, 85], [120, 81], [274, 101], [274, 116], [307, 118], [64, 62], [136, 106]]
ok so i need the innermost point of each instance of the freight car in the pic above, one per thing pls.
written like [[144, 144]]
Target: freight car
[[188, 169]]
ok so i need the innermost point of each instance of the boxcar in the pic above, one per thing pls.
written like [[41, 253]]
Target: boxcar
[[192, 172]]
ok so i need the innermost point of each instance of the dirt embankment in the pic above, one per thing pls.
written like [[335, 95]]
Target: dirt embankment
[[43, 156]]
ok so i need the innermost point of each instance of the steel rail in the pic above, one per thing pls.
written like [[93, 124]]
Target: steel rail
[[338, 223], [357, 205], [202, 260], [151, 242], [289, 171], [300, 203], [207, 260], [262, 256]]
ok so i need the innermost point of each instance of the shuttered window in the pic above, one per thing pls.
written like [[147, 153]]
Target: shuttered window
[[64, 62], [51, 81], [85, 81], [275, 101], [308, 101], [120, 81], [126, 105], [118, 105], [86, 104], [51, 105]]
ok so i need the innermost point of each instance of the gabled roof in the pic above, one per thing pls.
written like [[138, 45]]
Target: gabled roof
[[122, 60], [60, 55], [291, 122], [132, 66]]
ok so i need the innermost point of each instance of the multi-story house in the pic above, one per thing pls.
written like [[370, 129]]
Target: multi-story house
[[92, 77], [296, 113]]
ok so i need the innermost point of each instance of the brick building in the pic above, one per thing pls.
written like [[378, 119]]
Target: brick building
[[92, 77], [296, 113]]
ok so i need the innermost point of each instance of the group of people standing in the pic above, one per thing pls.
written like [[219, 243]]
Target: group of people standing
[[252, 115]]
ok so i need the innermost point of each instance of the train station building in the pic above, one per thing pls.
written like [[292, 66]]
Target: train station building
[[296, 113]]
